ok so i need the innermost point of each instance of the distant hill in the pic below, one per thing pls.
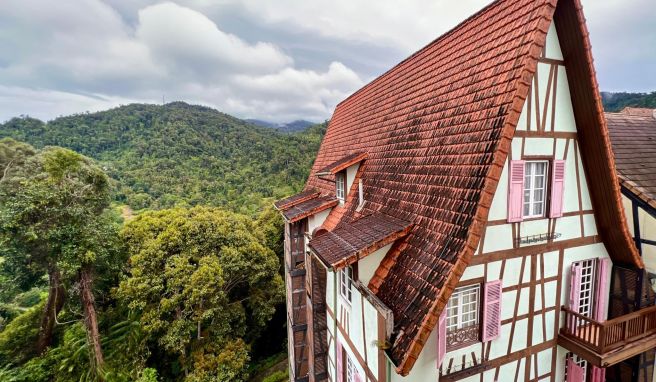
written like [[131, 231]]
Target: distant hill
[[181, 154], [290, 127], [614, 102]]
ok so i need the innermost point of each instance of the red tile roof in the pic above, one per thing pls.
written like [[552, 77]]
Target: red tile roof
[[639, 112], [309, 207], [357, 239], [437, 129], [634, 143], [342, 164], [296, 199]]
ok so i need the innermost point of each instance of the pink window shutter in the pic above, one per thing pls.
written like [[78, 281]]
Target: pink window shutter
[[603, 272], [441, 338], [557, 189], [516, 192], [492, 310], [358, 377], [598, 374], [574, 294], [575, 372], [339, 361]]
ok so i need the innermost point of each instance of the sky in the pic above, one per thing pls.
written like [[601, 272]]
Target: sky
[[276, 60]]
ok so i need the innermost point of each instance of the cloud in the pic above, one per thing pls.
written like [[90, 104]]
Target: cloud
[[46, 104], [70, 52], [275, 60], [190, 41]]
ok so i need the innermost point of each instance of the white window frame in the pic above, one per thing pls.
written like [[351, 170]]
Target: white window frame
[[340, 185], [459, 312], [350, 369], [529, 198], [587, 294], [346, 284]]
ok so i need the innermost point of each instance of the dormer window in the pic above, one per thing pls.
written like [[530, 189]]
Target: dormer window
[[340, 185]]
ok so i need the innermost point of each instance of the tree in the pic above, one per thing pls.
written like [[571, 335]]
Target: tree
[[53, 219], [204, 282]]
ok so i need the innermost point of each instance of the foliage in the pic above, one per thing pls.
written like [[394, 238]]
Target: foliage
[[19, 336], [614, 102], [148, 375], [278, 376], [179, 154], [203, 281], [55, 219]]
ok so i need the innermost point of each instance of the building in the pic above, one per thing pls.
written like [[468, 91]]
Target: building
[[463, 220], [633, 137]]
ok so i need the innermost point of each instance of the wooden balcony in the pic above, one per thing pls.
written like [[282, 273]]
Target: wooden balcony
[[606, 343]]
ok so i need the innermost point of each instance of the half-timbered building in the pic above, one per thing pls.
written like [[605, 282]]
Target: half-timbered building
[[633, 137], [463, 220]]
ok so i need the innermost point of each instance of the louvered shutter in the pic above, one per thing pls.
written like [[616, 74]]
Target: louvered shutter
[[557, 189], [574, 294], [598, 374], [492, 310], [441, 338], [339, 360], [358, 377], [575, 372], [601, 296], [516, 191]]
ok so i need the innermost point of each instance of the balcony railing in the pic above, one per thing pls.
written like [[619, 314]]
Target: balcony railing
[[603, 337]]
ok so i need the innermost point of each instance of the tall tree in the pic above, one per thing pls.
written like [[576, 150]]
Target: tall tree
[[204, 283], [53, 218]]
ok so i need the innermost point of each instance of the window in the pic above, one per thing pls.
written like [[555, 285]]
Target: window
[[462, 320], [535, 188], [340, 185], [345, 283], [587, 293], [350, 370]]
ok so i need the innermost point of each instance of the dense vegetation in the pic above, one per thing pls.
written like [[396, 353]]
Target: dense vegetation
[[170, 295], [180, 154], [187, 287], [614, 102]]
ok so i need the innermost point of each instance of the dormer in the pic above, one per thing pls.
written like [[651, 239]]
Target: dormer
[[344, 172]]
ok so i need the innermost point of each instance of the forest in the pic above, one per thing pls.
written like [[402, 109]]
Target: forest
[[140, 244]]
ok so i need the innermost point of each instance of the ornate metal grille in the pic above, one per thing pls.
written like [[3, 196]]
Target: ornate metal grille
[[462, 337]]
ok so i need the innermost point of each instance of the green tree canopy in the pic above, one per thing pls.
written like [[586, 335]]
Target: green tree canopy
[[205, 284]]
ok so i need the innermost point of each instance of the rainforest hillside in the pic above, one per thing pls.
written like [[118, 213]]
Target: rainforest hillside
[[614, 102], [181, 154]]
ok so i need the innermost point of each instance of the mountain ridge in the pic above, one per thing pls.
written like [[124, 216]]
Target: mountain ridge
[[178, 154]]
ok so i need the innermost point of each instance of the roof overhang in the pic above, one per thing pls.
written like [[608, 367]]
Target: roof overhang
[[356, 240], [309, 207], [342, 164]]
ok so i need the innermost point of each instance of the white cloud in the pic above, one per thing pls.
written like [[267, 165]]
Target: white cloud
[[170, 50], [254, 58], [188, 38], [46, 104]]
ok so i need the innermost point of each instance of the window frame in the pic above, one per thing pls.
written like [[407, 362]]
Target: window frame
[[464, 334], [340, 180], [346, 284], [349, 369], [531, 189]]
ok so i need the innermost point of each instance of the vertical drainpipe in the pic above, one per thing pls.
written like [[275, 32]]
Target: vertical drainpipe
[[335, 322], [389, 370]]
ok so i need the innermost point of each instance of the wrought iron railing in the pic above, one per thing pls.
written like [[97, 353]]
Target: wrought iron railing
[[602, 337], [462, 337]]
